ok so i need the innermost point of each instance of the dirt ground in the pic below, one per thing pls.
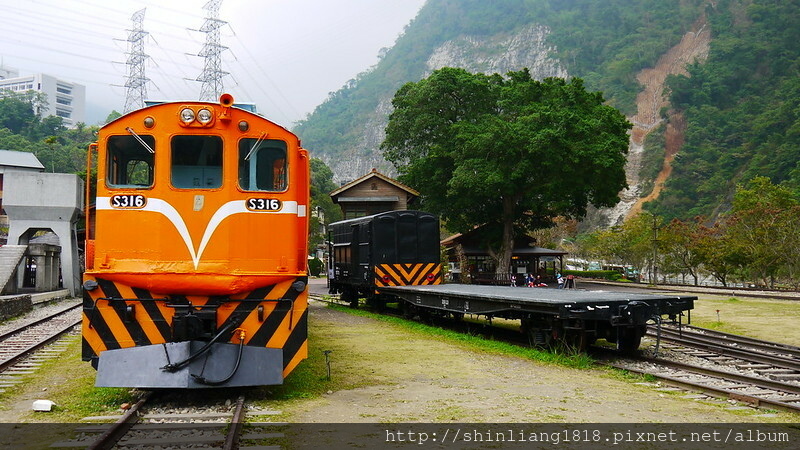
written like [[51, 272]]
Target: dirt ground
[[417, 378]]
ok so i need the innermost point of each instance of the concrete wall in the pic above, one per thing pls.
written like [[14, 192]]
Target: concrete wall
[[14, 305], [46, 201]]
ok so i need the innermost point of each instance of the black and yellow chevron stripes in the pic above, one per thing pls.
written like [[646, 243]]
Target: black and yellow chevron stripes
[[408, 274], [119, 316]]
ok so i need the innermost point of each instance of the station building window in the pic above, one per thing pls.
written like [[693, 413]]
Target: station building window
[[262, 165], [130, 164], [196, 162]]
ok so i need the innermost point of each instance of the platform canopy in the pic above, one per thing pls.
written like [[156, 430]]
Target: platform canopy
[[526, 258]]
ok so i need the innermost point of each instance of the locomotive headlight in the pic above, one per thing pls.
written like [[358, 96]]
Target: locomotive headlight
[[204, 116], [187, 115]]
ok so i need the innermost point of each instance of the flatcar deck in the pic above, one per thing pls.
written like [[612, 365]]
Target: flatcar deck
[[534, 296], [617, 308]]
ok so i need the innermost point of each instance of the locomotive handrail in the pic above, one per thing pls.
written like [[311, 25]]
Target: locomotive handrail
[[196, 307], [171, 305], [88, 187]]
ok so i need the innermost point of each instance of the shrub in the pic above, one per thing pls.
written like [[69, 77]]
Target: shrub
[[315, 267]]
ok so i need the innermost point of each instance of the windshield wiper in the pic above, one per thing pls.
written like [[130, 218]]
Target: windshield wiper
[[253, 148], [141, 141]]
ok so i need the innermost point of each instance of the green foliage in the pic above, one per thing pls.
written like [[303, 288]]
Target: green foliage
[[17, 115], [59, 149], [604, 42], [607, 42], [509, 153], [631, 242], [315, 266], [742, 105], [324, 211], [112, 116], [652, 160], [742, 108], [756, 242], [765, 224]]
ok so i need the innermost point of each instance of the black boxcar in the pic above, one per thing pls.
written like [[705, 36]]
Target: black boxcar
[[395, 248]]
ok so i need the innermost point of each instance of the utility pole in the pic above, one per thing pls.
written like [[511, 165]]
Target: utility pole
[[212, 74], [136, 83]]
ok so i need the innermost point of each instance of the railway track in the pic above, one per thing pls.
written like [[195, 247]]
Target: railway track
[[756, 372], [755, 391], [20, 342], [776, 361], [150, 425]]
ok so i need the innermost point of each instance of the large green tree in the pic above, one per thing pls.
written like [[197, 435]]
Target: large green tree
[[765, 221], [324, 211], [510, 153]]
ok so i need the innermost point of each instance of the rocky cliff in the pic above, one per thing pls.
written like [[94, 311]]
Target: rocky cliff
[[528, 48], [499, 53]]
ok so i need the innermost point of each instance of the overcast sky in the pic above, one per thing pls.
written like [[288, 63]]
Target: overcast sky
[[283, 55]]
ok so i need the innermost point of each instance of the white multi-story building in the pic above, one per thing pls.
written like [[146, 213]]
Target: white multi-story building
[[64, 99]]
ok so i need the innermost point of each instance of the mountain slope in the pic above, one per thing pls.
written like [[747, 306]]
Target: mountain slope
[[608, 43]]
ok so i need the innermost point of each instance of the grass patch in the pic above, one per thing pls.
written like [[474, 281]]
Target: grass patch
[[634, 377], [310, 378], [562, 357], [719, 326], [70, 384], [763, 318]]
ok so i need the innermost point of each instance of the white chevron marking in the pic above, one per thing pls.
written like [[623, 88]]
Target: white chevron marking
[[162, 207]]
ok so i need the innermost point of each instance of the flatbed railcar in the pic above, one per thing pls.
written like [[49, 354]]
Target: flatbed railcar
[[395, 257], [547, 315], [196, 249]]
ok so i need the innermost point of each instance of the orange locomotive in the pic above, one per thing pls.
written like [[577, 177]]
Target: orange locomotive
[[196, 249]]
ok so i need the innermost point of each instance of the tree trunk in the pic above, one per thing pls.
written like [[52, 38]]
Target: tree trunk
[[507, 245]]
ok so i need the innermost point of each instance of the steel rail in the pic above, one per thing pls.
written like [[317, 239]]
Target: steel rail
[[710, 345], [24, 353], [8, 334], [120, 428], [763, 383], [739, 339], [237, 425], [712, 390]]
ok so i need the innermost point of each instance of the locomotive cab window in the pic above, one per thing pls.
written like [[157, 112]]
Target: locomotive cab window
[[196, 162], [130, 162], [262, 165]]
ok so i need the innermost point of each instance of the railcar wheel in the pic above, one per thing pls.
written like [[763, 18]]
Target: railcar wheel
[[575, 341], [409, 310], [376, 302], [629, 340], [349, 296]]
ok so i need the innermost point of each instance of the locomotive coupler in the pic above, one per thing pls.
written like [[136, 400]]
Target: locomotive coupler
[[190, 323], [634, 313]]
